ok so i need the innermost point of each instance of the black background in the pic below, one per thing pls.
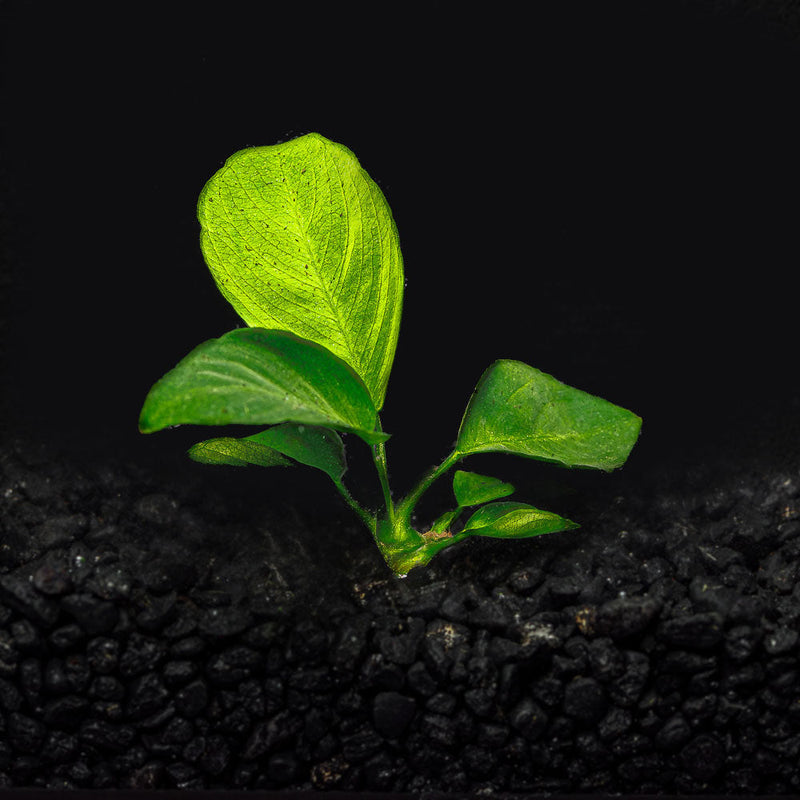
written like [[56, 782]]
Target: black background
[[607, 191]]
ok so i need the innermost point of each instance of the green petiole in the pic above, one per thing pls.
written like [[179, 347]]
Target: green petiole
[[379, 459], [406, 507]]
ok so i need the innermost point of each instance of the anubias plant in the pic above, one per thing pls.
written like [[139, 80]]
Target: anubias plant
[[303, 245]]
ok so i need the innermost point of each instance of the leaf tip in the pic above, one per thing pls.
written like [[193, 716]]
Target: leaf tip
[[145, 424], [152, 417]]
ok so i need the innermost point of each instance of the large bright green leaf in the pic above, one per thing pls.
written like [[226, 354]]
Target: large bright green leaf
[[514, 521], [253, 376], [311, 445], [299, 238], [518, 409]]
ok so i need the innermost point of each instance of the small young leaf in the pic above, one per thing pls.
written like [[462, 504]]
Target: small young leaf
[[298, 237], [514, 521], [472, 489], [236, 453], [254, 376], [518, 409]]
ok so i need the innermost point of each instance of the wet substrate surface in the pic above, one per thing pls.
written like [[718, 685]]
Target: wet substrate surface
[[175, 634]]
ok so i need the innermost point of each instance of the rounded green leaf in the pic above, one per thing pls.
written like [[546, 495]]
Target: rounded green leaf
[[514, 521], [472, 489], [520, 410], [253, 376], [298, 237]]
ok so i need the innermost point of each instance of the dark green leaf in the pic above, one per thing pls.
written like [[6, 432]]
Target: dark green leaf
[[313, 446], [514, 521], [518, 409], [254, 376]]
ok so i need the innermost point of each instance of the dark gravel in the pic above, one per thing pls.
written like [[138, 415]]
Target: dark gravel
[[162, 634]]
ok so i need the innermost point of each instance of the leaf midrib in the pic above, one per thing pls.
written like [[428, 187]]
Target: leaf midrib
[[272, 386], [302, 230]]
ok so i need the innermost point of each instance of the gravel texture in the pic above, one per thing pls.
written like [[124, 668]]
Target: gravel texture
[[164, 634]]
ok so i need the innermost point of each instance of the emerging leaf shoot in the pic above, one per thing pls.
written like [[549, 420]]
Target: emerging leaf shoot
[[302, 243]]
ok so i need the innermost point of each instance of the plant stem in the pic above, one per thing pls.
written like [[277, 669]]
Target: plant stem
[[367, 518], [407, 505], [379, 457]]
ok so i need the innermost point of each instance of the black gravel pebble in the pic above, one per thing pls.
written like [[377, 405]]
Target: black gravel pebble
[[584, 700], [529, 719], [93, 615], [393, 713], [22, 596], [660, 653]]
